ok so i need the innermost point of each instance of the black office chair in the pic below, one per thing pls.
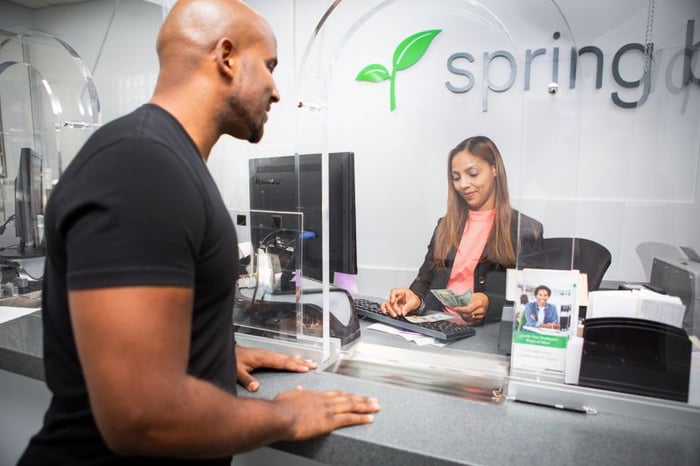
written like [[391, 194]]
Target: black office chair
[[581, 254]]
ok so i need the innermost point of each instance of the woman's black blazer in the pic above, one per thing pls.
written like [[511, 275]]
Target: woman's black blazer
[[489, 277]]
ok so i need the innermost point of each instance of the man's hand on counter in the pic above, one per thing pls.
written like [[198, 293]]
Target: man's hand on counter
[[248, 359], [311, 412], [317, 413]]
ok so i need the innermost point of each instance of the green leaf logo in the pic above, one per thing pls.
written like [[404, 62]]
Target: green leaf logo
[[407, 54]]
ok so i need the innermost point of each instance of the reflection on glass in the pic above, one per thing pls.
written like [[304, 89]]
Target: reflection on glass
[[449, 372]]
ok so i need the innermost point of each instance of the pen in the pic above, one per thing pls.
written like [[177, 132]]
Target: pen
[[575, 409]]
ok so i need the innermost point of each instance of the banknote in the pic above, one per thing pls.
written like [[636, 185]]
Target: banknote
[[432, 317], [449, 299]]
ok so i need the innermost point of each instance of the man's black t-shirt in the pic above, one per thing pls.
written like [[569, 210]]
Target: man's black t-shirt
[[137, 206]]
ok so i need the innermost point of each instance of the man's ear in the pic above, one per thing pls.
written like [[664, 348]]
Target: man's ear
[[225, 56]]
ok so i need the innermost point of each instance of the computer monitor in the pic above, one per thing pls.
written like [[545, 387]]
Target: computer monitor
[[28, 204], [292, 183]]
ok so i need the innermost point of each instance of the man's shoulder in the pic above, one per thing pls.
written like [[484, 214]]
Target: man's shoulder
[[148, 122], [145, 127]]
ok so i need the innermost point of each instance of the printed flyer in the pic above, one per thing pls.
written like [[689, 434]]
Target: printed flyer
[[546, 315]]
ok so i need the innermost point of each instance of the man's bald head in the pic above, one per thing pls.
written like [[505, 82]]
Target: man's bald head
[[216, 63], [193, 27]]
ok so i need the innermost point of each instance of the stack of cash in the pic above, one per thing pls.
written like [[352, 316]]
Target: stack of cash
[[449, 299]]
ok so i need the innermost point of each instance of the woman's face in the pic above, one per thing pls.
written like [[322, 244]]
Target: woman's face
[[475, 180], [542, 296]]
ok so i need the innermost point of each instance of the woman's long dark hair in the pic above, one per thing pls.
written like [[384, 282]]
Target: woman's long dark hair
[[499, 247]]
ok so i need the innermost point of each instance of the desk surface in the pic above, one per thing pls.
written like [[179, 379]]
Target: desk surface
[[417, 427]]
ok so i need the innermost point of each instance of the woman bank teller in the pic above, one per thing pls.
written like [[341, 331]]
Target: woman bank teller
[[476, 240]]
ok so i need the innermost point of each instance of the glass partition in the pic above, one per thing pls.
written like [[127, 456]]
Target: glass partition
[[49, 99], [493, 61], [537, 82], [48, 108], [277, 297], [606, 200]]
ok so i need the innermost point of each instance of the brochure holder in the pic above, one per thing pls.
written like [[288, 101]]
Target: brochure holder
[[544, 323]]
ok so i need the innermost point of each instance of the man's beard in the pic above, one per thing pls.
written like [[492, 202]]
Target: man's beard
[[247, 120]]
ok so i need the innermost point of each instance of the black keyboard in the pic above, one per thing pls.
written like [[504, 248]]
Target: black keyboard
[[444, 330]]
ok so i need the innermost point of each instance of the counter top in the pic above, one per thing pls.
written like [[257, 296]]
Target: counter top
[[417, 427], [21, 346]]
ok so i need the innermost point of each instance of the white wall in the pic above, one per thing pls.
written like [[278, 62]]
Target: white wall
[[577, 162]]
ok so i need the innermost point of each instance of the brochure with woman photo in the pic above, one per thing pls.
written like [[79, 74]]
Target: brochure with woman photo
[[545, 317]]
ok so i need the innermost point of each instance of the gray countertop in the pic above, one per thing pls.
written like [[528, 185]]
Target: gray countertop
[[417, 427], [21, 346]]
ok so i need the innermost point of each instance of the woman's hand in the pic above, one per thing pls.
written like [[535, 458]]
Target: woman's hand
[[474, 312], [249, 359], [401, 302]]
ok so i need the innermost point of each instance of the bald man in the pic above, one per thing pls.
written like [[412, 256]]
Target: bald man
[[139, 281]]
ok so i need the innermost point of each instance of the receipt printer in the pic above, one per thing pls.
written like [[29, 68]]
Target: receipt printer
[[284, 314], [680, 277], [636, 356]]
